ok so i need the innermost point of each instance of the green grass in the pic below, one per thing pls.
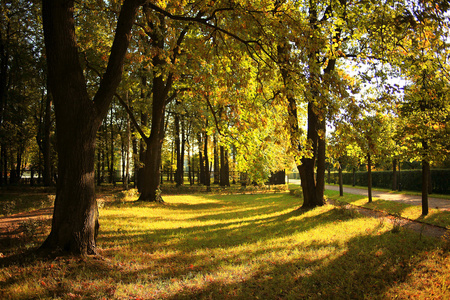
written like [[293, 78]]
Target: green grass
[[234, 247], [413, 212]]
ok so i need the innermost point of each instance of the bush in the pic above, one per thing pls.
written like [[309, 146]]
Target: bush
[[409, 179]]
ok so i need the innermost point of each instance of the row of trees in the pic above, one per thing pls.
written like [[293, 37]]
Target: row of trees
[[261, 79]]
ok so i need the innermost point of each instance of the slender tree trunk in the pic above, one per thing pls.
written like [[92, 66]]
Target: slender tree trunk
[[341, 184], [394, 174], [425, 181], [201, 175], [127, 149], [46, 147], [142, 150], [354, 176], [224, 167], [207, 173], [112, 178], [217, 169], [369, 176], [321, 156], [183, 144]]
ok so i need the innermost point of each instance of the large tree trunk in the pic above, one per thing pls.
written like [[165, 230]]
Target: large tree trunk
[[75, 216], [311, 190], [151, 179]]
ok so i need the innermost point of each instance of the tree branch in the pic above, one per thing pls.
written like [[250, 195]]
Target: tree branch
[[113, 73], [132, 118]]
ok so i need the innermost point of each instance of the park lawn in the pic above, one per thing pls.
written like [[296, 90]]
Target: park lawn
[[236, 247], [413, 212], [405, 192]]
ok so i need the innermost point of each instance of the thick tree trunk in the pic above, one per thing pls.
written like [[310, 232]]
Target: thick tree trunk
[[78, 117], [311, 191], [151, 179], [75, 218]]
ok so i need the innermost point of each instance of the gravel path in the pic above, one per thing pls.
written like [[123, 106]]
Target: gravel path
[[420, 227], [443, 204]]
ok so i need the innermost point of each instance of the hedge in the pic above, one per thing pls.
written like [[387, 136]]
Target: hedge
[[410, 180]]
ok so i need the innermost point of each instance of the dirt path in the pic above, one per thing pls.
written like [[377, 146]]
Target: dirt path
[[10, 225]]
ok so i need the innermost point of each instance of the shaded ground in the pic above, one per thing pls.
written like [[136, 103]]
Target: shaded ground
[[11, 225]]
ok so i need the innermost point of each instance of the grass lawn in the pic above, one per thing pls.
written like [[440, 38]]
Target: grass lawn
[[205, 246], [413, 212]]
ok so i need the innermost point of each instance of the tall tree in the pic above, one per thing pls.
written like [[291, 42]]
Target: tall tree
[[78, 117]]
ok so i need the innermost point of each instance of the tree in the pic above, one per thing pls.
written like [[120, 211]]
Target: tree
[[425, 109], [78, 117]]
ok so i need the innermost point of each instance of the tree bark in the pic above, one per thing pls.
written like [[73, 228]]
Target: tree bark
[[206, 160], [369, 177], [425, 180], [394, 174], [46, 146], [341, 184], [217, 168], [75, 216], [224, 167], [111, 149]]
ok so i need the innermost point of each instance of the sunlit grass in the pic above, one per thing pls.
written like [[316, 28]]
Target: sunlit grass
[[235, 247], [412, 212]]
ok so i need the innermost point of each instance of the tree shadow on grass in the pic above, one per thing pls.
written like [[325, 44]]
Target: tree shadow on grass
[[366, 265], [366, 270]]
